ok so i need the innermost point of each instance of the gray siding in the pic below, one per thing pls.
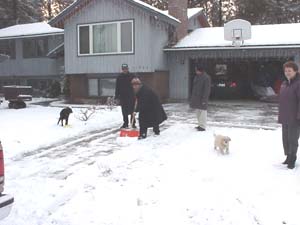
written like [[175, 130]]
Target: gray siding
[[179, 76], [32, 66], [193, 23], [150, 38]]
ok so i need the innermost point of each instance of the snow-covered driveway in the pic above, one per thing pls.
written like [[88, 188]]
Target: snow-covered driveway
[[176, 178]]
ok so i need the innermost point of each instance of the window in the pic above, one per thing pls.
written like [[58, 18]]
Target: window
[[8, 47], [105, 38], [93, 87], [101, 87], [33, 48], [107, 87], [84, 44]]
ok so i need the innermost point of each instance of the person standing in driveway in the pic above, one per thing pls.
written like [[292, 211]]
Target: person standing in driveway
[[124, 93], [151, 112], [289, 112], [200, 96]]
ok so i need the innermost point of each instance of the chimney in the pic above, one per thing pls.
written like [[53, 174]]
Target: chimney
[[178, 9]]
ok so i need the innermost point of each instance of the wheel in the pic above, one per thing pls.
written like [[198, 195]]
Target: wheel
[[20, 105], [11, 105]]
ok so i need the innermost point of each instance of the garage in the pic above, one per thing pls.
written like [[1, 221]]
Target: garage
[[252, 70]]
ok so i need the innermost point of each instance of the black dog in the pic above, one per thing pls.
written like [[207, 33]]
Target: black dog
[[64, 115]]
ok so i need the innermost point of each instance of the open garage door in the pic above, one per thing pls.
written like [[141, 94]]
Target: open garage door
[[242, 79]]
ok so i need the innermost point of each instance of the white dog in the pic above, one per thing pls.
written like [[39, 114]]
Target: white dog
[[222, 143]]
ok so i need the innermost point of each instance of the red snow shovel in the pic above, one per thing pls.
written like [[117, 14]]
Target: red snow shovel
[[130, 132]]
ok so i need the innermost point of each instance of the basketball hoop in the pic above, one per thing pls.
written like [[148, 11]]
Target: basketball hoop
[[237, 31], [237, 43]]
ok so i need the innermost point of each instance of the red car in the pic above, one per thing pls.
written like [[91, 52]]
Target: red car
[[6, 201]]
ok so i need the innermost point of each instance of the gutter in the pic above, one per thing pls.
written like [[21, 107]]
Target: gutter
[[231, 48]]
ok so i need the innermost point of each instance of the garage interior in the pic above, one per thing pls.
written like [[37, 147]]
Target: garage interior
[[243, 77]]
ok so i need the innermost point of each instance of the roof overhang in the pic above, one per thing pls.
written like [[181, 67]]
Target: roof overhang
[[31, 36], [234, 53], [79, 4]]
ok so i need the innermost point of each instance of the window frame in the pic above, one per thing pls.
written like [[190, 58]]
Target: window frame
[[45, 40], [99, 79], [119, 40], [10, 47]]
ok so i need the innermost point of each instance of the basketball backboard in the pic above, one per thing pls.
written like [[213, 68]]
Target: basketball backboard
[[237, 31]]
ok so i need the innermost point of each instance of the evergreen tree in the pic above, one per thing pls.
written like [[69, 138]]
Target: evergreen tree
[[51, 8], [18, 11]]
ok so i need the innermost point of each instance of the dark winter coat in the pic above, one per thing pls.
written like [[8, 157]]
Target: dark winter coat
[[151, 112], [124, 92], [200, 92], [289, 102]]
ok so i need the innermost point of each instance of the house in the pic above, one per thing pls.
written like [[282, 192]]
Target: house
[[26, 47], [262, 55], [101, 35]]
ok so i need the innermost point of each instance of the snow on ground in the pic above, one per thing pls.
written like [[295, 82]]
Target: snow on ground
[[25, 130], [174, 178]]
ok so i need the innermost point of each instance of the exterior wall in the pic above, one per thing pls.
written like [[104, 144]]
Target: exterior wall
[[159, 82], [21, 67], [179, 76], [150, 37], [78, 87], [194, 24]]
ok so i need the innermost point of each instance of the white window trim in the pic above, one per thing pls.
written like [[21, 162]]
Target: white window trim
[[91, 38]]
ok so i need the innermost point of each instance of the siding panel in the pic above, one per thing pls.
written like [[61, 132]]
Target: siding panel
[[148, 55]]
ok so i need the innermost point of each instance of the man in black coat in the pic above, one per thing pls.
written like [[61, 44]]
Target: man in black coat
[[124, 93], [151, 112]]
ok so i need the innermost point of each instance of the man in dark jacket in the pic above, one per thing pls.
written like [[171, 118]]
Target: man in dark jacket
[[151, 112], [200, 95], [124, 93], [289, 112]]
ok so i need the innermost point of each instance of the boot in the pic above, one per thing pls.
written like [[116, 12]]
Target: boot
[[291, 162], [286, 161], [200, 129], [142, 136], [124, 126]]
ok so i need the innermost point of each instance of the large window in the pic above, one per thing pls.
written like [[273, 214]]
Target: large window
[[106, 38], [36, 47], [101, 87], [8, 47]]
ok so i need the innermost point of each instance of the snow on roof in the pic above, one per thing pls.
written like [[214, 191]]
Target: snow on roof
[[29, 29], [191, 12], [137, 2], [262, 35], [194, 11], [155, 9]]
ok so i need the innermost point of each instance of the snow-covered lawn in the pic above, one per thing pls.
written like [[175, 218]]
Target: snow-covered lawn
[[174, 178]]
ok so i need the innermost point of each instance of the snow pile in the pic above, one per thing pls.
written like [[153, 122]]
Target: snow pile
[[30, 29], [277, 34]]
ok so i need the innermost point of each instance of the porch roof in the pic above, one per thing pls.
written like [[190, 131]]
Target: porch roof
[[29, 30]]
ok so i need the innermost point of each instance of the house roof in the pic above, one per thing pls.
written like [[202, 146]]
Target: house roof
[[29, 30], [77, 4], [263, 36], [191, 12]]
